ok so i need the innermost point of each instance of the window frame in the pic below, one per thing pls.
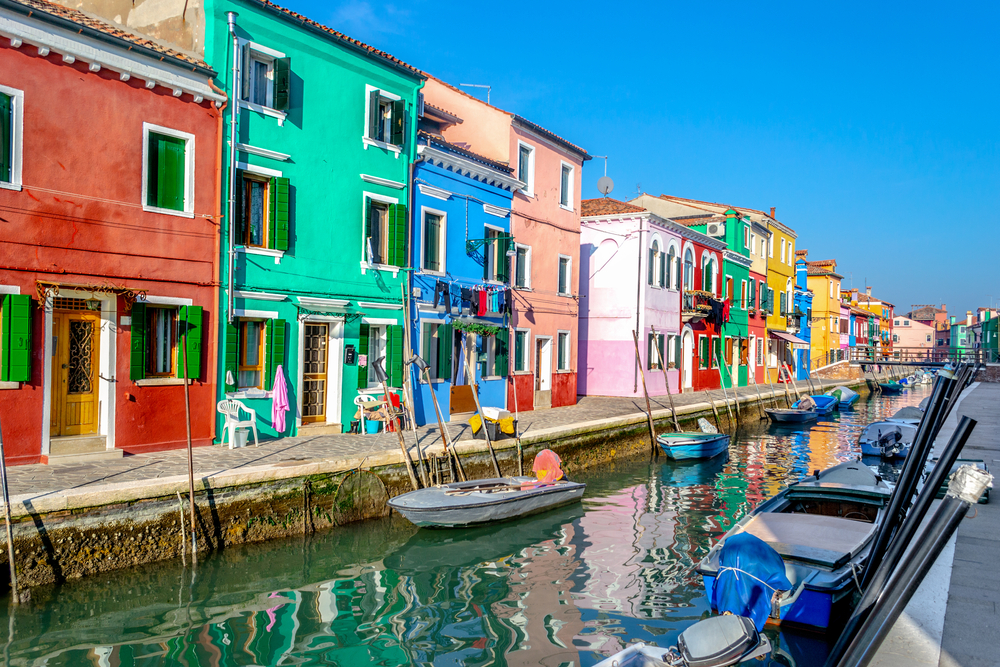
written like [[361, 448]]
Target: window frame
[[783, 251], [656, 340], [744, 295], [17, 139], [570, 194], [261, 366], [189, 157], [383, 338], [266, 219], [569, 274], [366, 137], [442, 241], [517, 265], [525, 352], [529, 184], [491, 252], [152, 308], [568, 353], [381, 199]]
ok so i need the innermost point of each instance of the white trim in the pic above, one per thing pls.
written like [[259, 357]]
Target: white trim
[[256, 314], [262, 296], [569, 350], [527, 272], [382, 181], [381, 321], [189, 149], [382, 93], [569, 278], [529, 185], [167, 300], [385, 145], [467, 167], [162, 382], [365, 196], [375, 305], [366, 139], [254, 169], [571, 198], [317, 302], [22, 29], [442, 241], [492, 275], [266, 111], [10, 289], [263, 152], [497, 211], [263, 50], [527, 351], [264, 252], [431, 191], [17, 132]]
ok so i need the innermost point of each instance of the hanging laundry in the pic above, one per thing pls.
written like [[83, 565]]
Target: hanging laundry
[[717, 309], [481, 306], [725, 310], [440, 293]]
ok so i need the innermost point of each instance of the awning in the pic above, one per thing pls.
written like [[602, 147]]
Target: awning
[[797, 343]]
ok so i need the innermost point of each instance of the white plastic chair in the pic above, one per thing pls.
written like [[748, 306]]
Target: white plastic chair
[[231, 410], [366, 402]]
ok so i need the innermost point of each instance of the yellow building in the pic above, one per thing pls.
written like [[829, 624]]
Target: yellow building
[[824, 281], [781, 292], [887, 312]]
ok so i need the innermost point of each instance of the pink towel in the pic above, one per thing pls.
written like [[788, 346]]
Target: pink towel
[[279, 400]]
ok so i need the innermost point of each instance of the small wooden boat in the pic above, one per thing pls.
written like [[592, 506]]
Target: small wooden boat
[[887, 439], [823, 528], [685, 446], [484, 501], [791, 416], [891, 387], [824, 404], [845, 396]]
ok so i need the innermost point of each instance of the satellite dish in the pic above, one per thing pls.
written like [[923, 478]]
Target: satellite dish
[[605, 185]]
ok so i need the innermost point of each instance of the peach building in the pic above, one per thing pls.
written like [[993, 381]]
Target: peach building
[[545, 255]]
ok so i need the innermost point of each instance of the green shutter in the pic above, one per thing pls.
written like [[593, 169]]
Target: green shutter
[[677, 351], [717, 353], [232, 355], [703, 352], [368, 230], [6, 138], [651, 261], [277, 233], [373, 99], [245, 73], [190, 318], [275, 350], [137, 354], [782, 302], [240, 228], [397, 235], [663, 270], [282, 83], [363, 350], [165, 188], [15, 338], [501, 356], [432, 243], [519, 342], [398, 122], [394, 355], [445, 338], [503, 261]]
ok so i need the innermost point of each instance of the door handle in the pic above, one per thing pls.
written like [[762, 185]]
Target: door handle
[[65, 365]]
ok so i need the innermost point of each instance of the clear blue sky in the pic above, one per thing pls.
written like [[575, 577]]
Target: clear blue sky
[[871, 127]]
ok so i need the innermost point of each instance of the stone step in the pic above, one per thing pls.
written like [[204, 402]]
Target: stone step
[[80, 448], [317, 429], [85, 457]]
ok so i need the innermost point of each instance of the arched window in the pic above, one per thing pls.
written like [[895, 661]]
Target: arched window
[[672, 280], [708, 276], [688, 269], [653, 269]]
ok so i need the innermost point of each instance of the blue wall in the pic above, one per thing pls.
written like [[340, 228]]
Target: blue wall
[[803, 303], [466, 219]]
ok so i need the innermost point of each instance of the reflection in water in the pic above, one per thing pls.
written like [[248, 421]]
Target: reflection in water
[[563, 588]]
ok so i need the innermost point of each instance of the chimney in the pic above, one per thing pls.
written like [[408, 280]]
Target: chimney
[[968, 318], [772, 213], [868, 290], [944, 307]]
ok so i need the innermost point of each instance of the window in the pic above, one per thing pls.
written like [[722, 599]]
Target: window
[[688, 269], [770, 247], [566, 187], [655, 351], [752, 298], [385, 232], [744, 351], [433, 241], [729, 288], [11, 130], [254, 211], [15, 338], [565, 273], [563, 351], [673, 351], [783, 304], [522, 275], [763, 247], [521, 340], [251, 355], [708, 271], [673, 275], [744, 303], [435, 349], [746, 237], [716, 351], [704, 344], [496, 264], [728, 351], [929, 338], [262, 210], [266, 77], [386, 118], [753, 243], [385, 341], [526, 167], [162, 333], [760, 351], [791, 253], [157, 334], [168, 181], [782, 251], [654, 265], [831, 289]]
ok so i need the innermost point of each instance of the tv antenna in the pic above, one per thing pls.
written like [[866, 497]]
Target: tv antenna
[[604, 184], [478, 85]]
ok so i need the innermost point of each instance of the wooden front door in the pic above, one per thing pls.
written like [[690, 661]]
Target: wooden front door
[[74, 373], [314, 378]]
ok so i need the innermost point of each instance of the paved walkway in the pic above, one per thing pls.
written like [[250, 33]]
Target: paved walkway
[[34, 481]]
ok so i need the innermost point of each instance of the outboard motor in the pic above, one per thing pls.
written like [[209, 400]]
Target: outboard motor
[[718, 641], [889, 443], [751, 581]]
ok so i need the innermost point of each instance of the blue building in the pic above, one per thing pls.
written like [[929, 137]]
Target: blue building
[[802, 314], [460, 315]]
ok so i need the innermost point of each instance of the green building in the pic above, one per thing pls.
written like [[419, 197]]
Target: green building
[[314, 238]]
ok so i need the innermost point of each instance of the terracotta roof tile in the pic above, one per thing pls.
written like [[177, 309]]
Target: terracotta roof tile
[[90, 22], [607, 206]]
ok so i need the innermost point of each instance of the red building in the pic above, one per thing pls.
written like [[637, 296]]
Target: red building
[[701, 342], [109, 191], [757, 326]]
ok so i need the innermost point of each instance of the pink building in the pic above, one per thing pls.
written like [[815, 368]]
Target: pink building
[[621, 243], [845, 329], [912, 339], [545, 223]]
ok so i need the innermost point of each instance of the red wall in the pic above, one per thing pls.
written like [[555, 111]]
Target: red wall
[[563, 389], [79, 220], [524, 384]]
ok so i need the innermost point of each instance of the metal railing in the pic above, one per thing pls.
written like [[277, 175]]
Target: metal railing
[[934, 355]]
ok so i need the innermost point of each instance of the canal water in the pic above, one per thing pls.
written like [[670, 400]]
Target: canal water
[[563, 588]]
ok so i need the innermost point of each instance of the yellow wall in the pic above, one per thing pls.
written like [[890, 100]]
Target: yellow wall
[[825, 336], [780, 274]]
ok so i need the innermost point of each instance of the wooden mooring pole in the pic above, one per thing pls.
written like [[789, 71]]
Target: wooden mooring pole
[[190, 450], [760, 399], [722, 381], [666, 382], [649, 411]]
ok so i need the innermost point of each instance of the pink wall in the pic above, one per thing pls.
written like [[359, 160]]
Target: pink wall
[[913, 336]]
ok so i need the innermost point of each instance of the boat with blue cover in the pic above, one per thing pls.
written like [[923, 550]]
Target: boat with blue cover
[[824, 404], [823, 528], [687, 446]]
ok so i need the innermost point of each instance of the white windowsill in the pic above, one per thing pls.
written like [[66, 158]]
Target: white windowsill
[[564, 370], [264, 252], [4, 185], [383, 145], [267, 111], [244, 394], [566, 208], [523, 289], [433, 381], [428, 272], [162, 382], [379, 267], [567, 294], [167, 211], [10, 385]]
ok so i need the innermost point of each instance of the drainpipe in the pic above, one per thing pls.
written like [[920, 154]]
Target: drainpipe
[[234, 115]]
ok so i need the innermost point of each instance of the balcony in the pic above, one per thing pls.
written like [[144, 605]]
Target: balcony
[[695, 305]]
